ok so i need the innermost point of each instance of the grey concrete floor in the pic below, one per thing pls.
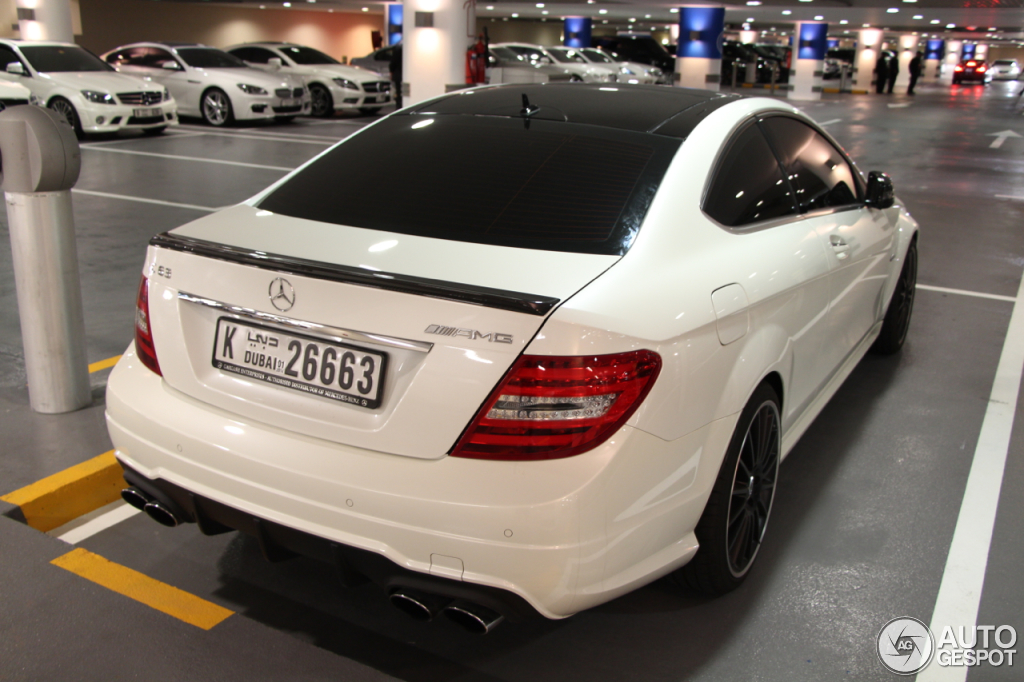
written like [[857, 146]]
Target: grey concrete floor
[[859, 535]]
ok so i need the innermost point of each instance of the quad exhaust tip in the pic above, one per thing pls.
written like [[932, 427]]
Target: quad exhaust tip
[[419, 605], [161, 514], [136, 498], [473, 618]]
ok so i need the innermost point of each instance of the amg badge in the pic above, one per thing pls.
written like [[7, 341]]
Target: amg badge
[[472, 334]]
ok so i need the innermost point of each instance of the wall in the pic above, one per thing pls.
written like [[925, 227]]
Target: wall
[[107, 24], [534, 32], [1000, 52]]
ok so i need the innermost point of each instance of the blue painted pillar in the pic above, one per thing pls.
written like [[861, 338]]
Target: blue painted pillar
[[935, 50], [808, 62], [699, 57], [577, 31], [394, 28]]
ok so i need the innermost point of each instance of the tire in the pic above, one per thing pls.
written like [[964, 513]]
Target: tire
[[66, 110], [743, 492], [154, 131], [215, 107], [897, 318], [322, 102]]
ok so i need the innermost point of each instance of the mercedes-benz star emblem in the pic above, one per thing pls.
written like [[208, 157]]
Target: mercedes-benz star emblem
[[282, 294]]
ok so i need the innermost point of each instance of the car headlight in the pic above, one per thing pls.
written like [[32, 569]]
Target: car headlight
[[346, 83], [98, 97], [626, 70], [251, 89], [656, 72]]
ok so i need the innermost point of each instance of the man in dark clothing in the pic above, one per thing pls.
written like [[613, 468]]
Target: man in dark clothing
[[396, 73], [894, 69], [915, 72], [881, 72]]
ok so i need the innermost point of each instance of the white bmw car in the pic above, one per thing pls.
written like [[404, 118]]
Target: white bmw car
[[212, 84], [522, 391], [333, 86], [535, 54], [629, 72], [89, 94]]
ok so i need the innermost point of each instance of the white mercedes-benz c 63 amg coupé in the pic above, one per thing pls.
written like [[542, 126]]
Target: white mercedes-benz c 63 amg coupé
[[561, 353]]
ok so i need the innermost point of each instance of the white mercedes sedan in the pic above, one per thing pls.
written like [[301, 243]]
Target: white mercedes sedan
[[571, 62], [333, 86], [524, 390], [85, 91], [212, 84]]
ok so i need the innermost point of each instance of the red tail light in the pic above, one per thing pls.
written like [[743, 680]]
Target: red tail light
[[143, 332], [958, 68], [550, 407], [971, 63], [981, 69]]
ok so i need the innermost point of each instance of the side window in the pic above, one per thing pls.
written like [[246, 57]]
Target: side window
[[820, 174], [254, 55], [156, 58], [7, 56], [748, 186]]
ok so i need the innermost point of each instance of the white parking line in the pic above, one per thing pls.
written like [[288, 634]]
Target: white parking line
[[191, 158], [141, 138], [273, 137], [964, 576], [1009, 196], [125, 197], [964, 292], [120, 512]]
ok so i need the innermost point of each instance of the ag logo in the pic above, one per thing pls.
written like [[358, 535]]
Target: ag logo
[[905, 645]]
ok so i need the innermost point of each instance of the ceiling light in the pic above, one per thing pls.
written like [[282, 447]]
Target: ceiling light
[[867, 25], [647, 16], [632, 19], [490, 6], [950, 25], [992, 28], [750, 19], [843, 22], [602, 11], [787, 12], [919, 16], [540, 5], [544, 12], [892, 10], [515, 15], [818, 18], [604, 21], [753, 3], [287, 4], [934, 21]]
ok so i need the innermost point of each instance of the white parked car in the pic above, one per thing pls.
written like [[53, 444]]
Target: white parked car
[[1003, 70], [629, 72], [88, 93], [14, 94], [535, 54], [212, 84], [514, 387], [332, 86], [507, 66]]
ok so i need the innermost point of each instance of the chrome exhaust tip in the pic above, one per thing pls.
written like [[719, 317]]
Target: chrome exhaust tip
[[473, 618], [135, 498], [419, 605], [161, 514]]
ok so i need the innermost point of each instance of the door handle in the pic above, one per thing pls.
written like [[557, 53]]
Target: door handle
[[839, 245]]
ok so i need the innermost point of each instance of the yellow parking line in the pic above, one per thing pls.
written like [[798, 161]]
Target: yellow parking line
[[103, 364], [134, 585], [63, 497]]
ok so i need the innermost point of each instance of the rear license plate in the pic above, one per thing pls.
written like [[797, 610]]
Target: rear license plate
[[303, 363], [147, 113]]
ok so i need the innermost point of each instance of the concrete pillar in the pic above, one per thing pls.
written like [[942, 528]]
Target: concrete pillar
[[699, 58], [934, 50], [576, 31], [436, 36], [45, 20], [981, 52], [869, 44], [906, 49], [951, 59], [393, 23], [809, 48]]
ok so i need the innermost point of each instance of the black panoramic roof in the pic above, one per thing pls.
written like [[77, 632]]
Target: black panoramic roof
[[669, 111]]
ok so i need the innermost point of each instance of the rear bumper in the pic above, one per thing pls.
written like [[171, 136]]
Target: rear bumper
[[551, 537]]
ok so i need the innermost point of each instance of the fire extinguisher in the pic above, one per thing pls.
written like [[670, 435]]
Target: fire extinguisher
[[476, 62]]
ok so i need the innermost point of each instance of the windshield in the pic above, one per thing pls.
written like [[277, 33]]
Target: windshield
[[1003, 62], [54, 58], [307, 55], [569, 56], [598, 56], [209, 58]]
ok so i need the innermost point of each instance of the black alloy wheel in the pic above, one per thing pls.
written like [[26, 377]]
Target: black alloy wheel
[[896, 323], [322, 102], [732, 527]]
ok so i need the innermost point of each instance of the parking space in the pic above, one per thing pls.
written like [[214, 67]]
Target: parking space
[[869, 498]]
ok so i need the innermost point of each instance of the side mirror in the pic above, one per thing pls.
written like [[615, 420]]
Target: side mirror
[[880, 194], [17, 68], [275, 63], [170, 65]]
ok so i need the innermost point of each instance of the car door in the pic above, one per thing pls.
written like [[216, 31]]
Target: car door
[[858, 240], [750, 196]]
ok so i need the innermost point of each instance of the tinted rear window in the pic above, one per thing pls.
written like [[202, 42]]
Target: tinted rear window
[[486, 179]]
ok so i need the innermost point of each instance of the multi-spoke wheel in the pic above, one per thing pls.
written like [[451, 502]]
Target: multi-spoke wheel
[[66, 110], [897, 317], [216, 107], [322, 102], [732, 526]]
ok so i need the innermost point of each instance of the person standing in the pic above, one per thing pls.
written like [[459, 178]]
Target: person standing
[[396, 73], [881, 72], [915, 72], [894, 70]]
